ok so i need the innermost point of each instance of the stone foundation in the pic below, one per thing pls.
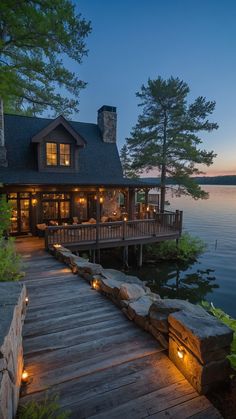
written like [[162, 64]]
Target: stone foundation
[[12, 314], [197, 342]]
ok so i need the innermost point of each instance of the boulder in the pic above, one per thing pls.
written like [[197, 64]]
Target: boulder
[[109, 286], [130, 292], [202, 333], [168, 306], [120, 276], [160, 337], [203, 377], [159, 321], [139, 309]]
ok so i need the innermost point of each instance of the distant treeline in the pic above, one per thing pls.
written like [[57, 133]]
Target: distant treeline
[[217, 180], [204, 180]]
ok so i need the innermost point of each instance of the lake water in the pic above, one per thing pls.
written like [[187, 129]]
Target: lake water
[[213, 277]]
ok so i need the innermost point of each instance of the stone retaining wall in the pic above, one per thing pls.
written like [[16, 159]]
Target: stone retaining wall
[[197, 342], [12, 314]]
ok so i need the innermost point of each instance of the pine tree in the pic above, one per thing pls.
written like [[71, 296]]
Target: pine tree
[[126, 163], [166, 135], [37, 38]]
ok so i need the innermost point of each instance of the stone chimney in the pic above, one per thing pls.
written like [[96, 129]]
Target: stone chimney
[[107, 123], [3, 151]]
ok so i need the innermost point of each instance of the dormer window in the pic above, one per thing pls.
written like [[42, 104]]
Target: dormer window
[[51, 154], [64, 154], [58, 154]]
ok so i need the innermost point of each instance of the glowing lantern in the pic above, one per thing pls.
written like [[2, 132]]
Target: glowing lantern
[[24, 376]]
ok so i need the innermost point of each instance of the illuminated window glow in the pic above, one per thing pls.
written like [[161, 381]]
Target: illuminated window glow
[[64, 154], [51, 154]]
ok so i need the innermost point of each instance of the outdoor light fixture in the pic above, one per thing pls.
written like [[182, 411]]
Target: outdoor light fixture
[[101, 199], [95, 284], [26, 300], [81, 200], [148, 208], [180, 352], [125, 218], [24, 376], [34, 202]]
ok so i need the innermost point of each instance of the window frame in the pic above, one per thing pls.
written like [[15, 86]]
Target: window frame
[[59, 154]]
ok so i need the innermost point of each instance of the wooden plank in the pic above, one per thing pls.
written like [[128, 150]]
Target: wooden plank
[[134, 402], [142, 372], [116, 356], [80, 346]]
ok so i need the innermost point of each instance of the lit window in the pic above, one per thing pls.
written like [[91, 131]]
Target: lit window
[[64, 154], [51, 154]]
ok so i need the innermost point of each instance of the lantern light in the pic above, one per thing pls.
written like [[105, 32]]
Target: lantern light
[[24, 376], [125, 218], [26, 300], [34, 202], [101, 199], [180, 353], [95, 284]]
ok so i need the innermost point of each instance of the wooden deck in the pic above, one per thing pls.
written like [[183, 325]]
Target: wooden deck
[[78, 345], [120, 233]]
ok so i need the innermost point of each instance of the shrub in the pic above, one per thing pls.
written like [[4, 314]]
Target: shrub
[[188, 249], [10, 262], [48, 409], [5, 215]]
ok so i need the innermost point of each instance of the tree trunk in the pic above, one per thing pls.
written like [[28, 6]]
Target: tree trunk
[[163, 168]]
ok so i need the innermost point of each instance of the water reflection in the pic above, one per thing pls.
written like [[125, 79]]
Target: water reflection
[[174, 281]]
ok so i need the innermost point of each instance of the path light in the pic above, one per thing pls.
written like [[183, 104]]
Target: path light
[[180, 352], [24, 376], [26, 300], [95, 284]]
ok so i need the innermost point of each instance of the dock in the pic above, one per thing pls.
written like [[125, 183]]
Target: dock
[[80, 347]]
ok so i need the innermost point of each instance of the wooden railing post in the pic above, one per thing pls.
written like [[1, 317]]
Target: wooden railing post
[[46, 238], [181, 222], [124, 235]]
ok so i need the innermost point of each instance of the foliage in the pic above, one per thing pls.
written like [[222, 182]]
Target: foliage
[[188, 249], [230, 322], [166, 135], [126, 163], [5, 215], [10, 262], [48, 409], [36, 39]]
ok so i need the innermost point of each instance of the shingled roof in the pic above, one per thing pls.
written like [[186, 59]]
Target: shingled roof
[[99, 162]]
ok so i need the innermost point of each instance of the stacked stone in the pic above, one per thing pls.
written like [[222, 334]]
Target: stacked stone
[[12, 313], [198, 343]]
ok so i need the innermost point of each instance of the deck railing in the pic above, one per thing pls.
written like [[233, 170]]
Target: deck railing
[[167, 223]]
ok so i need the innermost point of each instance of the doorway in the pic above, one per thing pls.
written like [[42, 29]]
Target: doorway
[[21, 212]]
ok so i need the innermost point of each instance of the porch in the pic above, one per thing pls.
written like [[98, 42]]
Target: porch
[[117, 233]]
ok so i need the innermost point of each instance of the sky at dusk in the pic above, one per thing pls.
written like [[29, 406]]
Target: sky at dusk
[[133, 40]]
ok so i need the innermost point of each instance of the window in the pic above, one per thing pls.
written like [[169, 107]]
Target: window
[[56, 206], [58, 154], [51, 154], [64, 154]]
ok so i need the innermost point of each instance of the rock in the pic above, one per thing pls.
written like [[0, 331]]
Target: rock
[[130, 292], [12, 313], [120, 276], [159, 321], [171, 306], [140, 307], [202, 377], [109, 286], [160, 337], [202, 334]]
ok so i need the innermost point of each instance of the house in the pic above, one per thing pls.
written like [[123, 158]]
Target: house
[[57, 172]]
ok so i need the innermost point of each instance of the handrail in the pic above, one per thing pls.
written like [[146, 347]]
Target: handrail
[[114, 231]]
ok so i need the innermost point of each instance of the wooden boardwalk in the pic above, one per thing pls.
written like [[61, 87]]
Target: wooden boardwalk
[[78, 345]]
